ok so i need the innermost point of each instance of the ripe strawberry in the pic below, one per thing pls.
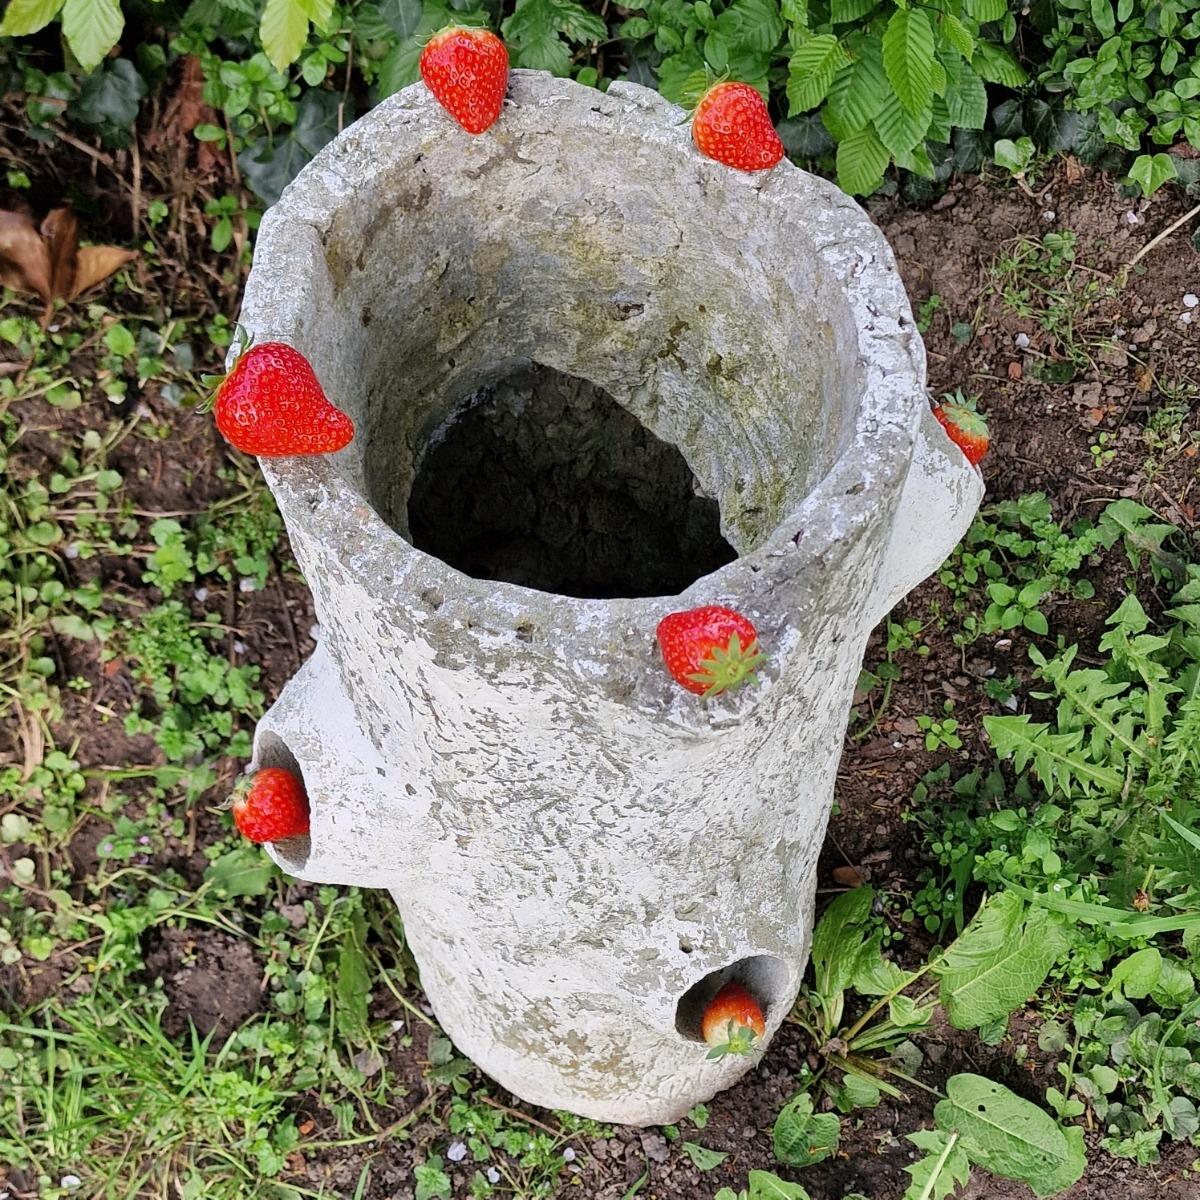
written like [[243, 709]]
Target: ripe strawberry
[[732, 1022], [467, 72], [967, 429], [271, 806], [731, 124], [709, 650], [271, 405]]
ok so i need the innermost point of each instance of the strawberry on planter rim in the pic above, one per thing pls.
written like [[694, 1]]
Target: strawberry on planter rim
[[271, 405], [967, 428], [467, 71], [270, 806], [732, 1022], [731, 125], [709, 650]]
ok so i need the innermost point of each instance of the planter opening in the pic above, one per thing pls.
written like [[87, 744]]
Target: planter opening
[[764, 976], [291, 853], [543, 480]]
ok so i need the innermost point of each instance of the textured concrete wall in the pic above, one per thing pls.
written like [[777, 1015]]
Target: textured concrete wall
[[573, 841]]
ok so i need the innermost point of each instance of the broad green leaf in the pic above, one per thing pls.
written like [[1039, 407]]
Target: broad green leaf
[[536, 30], [353, 987], [842, 12], [758, 22], [110, 94], [958, 35], [1138, 974], [987, 10], [966, 97], [28, 16], [857, 93], [702, 1158], [802, 1137], [765, 1185], [1151, 171], [861, 161], [1009, 1136], [999, 961], [811, 69], [838, 940], [996, 65], [241, 872], [319, 12], [91, 28], [908, 57], [283, 30], [943, 1168], [898, 129]]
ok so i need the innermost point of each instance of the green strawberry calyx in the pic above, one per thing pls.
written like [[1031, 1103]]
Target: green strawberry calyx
[[244, 339], [965, 419], [728, 668], [739, 1039]]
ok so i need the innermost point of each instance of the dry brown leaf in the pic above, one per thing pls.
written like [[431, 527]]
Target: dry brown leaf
[[60, 230], [50, 261], [24, 259], [97, 263], [851, 876]]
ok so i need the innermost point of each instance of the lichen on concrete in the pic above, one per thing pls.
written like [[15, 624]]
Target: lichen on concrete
[[581, 851]]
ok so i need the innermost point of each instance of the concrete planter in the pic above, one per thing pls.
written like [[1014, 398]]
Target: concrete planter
[[582, 853]]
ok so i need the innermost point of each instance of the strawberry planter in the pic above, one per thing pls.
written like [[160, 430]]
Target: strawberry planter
[[589, 368]]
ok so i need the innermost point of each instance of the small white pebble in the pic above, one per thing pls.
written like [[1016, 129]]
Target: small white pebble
[[493, 1176], [569, 1154], [246, 584], [239, 647], [456, 1151], [1022, 340], [1191, 300], [70, 1182], [314, 632], [1131, 218], [71, 551], [1049, 215], [1119, 332], [202, 594], [1184, 318]]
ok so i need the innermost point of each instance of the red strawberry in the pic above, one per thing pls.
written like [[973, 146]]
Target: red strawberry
[[967, 429], [709, 650], [732, 1022], [732, 125], [271, 806], [271, 405], [467, 72]]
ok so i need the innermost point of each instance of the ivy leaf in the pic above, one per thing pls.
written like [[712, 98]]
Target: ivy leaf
[[802, 1137], [272, 162], [966, 97], [283, 30], [908, 58], [111, 94], [538, 30], [1009, 1136], [1151, 171], [91, 28], [1002, 957], [861, 161], [858, 92], [944, 1167], [811, 69], [28, 16]]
